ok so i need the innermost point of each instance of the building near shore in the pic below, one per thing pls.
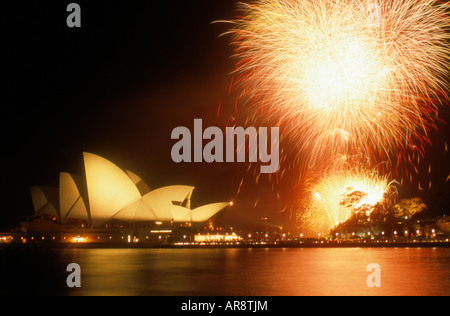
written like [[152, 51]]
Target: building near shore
[[109, 204]]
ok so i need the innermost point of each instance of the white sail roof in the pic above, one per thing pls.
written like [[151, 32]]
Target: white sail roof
[[109, 188], [138, 211], [165, 205], [71, 202], [45, 201], [162, 201], [181, 214], [204, 213], [111, 193], [140, 184]]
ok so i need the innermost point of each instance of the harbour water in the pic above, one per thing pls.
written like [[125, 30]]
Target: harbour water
[[226, 272]]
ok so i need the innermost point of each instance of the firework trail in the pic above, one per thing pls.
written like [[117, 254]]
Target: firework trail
[[344, 77], [355, 87]]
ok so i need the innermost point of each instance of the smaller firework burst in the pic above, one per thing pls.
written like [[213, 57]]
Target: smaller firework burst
[[340, 195]]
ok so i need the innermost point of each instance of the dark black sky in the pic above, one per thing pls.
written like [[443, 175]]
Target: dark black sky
[[117, 87]]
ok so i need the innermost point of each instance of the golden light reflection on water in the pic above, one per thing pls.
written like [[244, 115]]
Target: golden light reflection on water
[[254, 272]]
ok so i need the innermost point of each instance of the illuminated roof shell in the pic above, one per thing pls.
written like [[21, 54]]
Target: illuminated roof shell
[[204, 213], [71, 203], [45, 201], [140, 184], [109, 188], [108, 193]]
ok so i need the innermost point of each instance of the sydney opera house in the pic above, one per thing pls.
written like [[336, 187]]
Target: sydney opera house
[[113, 205]]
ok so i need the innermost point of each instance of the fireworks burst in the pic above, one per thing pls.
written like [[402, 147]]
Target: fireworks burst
[[342, 77], [341, 194], [354, 85]]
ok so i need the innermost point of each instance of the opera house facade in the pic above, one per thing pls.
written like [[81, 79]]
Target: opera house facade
[[112, 205]]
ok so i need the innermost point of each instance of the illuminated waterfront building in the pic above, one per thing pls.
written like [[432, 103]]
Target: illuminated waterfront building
[[112, 204]]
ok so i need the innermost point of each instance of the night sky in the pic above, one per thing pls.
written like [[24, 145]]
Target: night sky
[[117, 87]]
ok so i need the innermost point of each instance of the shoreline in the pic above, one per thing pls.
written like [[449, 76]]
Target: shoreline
[[277, 245]]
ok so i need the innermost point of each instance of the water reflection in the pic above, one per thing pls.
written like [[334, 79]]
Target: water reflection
[[238, 272]]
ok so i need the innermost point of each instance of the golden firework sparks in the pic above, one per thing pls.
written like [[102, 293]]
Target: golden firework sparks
[[340, 194], [344, 76]]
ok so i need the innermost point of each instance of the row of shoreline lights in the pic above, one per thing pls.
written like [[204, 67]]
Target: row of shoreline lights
[[406, 232], [206, 238], [81, 239], [130, 239], [433, 231]]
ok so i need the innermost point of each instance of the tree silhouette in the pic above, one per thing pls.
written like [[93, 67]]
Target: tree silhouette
[[353, 200]]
